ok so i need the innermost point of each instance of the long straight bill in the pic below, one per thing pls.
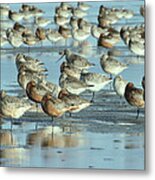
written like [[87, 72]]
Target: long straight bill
[[60, 58]]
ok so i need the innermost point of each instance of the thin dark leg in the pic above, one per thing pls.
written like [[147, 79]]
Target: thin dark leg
[[37, 108], [63, 129], [121, 100], [52, 127], [37, 111], [70, 128], [110, 82], [137, 113], [92, 100], [36, 126], [99, 50], [70, 114], [11, 124], [28, 49], [110, 85], [11, 138]]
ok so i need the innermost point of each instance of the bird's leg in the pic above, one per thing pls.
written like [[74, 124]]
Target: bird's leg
[[52, 119], [99, 50], [37, 108], [70, 128], [63, 129], [110, 82], [52, 127], [11, 138], [11, 124], [37, 111], [28, 49], [70, 114], [121, 100], [36, 126], [92, 100], [137, 113]]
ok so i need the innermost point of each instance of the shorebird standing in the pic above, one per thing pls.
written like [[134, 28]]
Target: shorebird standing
[[25, 76], [97, 31], [134, 97], [40, 33], [51, 87], [111, 65], [42, 22], [30, 11], [53, 35], [76, 60], [14, 38], [77, 12], [4, 11], [73, 22], [12, 106], [134, 37], [35, 91], [65, 32], [84, 25], [60, 20], [29, 38], [76, 102], [80, 34], [108, 40], [53, 107], [119, 85], [70, 70], [72, 85], [63, 11], [83, 6], [29, 64], [137, 47], [3, 41], [15, 16], [97, 80]]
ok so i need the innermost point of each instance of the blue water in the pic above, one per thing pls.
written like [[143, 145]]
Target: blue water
[[81, 141]]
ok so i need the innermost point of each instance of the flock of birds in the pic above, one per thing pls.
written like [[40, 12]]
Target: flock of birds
[[56, 100], [70, 24]]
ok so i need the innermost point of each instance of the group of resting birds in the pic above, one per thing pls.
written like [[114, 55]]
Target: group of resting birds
[[71, 23], [56, 100], [75, 78]]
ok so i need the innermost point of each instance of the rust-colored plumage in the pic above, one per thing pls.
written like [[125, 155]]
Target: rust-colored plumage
[[34, 93], [134, 96], [54, 107], [40, 33]]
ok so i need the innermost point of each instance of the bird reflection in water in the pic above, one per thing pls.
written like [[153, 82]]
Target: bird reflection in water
[[56, 137]]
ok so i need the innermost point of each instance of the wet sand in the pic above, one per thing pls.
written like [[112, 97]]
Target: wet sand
[[106, 135]]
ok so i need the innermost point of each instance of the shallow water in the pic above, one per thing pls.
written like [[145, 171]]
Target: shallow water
[[104, 136]]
